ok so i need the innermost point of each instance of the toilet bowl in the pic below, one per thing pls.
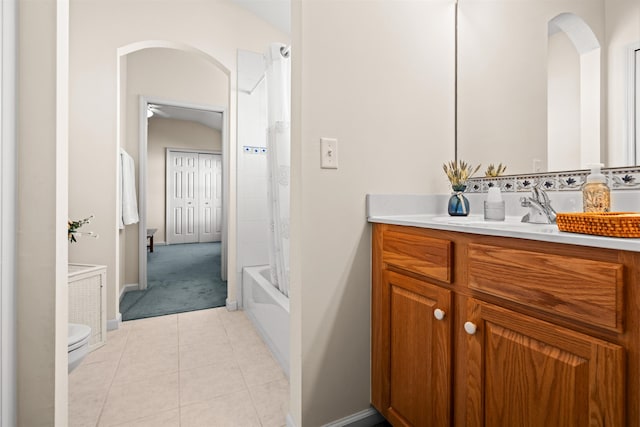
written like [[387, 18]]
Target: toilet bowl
[[78, 344]]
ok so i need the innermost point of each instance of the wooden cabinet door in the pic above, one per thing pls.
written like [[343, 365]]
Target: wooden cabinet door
[[411, 358], [529, 373]]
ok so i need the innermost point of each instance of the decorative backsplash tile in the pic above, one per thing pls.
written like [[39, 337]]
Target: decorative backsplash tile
[[618, 179]]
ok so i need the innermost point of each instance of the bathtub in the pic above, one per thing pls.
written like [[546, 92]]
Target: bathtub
[[268, 309]]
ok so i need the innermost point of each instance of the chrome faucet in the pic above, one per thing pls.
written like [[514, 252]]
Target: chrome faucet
[[540, 210]]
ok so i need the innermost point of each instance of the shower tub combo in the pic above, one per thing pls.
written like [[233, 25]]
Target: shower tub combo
[[268, 309]]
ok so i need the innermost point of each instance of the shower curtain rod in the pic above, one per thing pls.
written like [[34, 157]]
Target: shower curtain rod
[[284, 51]]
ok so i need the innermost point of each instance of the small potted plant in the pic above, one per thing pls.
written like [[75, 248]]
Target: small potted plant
[[73, 226], [459, 172]]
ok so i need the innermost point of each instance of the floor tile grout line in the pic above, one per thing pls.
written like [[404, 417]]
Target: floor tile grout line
[[244, 379], [115, 373], [179, 377], [231, 332], [104, 401]]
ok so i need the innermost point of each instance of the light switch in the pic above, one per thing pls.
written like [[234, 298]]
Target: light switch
[[328, 153]]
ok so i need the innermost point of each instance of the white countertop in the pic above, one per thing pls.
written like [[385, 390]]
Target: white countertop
[[475, 224]]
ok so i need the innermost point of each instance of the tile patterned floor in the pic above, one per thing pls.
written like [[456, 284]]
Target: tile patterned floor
[[202, 368]]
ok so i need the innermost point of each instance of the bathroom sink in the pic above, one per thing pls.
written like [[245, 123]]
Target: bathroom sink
[[511, 223], [475, 220]]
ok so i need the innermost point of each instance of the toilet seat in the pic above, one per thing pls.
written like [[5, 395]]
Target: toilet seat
[[78, 344], [78, 335]]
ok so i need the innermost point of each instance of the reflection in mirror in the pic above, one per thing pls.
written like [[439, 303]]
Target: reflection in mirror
[[513, 106], [573, 94]]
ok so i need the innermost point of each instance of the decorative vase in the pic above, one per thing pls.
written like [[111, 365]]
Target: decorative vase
[[458, 204]]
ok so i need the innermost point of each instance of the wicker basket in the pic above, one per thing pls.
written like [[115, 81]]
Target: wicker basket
[[611, 224]]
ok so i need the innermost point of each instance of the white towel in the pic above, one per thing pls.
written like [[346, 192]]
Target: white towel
[[129, 204]]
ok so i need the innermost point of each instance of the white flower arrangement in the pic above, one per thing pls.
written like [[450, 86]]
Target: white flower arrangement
[[73, 226]]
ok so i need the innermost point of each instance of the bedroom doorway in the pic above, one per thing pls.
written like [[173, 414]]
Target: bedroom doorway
[[171, 114], [181, 201]]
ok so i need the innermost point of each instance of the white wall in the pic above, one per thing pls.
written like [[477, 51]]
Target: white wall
[[253, 218], [163, 134], [42, 213], [98, 29], [563, 104], [379, 77]]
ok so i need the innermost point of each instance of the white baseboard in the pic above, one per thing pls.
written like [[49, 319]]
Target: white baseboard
[[113, 324], [232, 305], [289, 421], [127, 288], [365, 418]]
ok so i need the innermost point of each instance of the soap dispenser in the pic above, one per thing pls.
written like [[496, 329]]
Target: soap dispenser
[[595, 192], [494, 205]]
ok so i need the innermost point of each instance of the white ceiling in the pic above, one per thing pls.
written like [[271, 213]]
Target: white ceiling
[[275, 12], [207, 118]]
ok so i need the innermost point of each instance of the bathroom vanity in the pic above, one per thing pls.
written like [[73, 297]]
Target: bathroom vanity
[[478, 326]]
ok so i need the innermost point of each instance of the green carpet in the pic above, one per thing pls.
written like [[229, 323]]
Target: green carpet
[[179, 278]]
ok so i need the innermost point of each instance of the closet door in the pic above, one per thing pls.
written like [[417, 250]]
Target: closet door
[[182, 200], [210, 200]]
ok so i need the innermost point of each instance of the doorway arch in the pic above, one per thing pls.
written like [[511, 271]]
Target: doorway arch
[[574, 93], [123, 53]]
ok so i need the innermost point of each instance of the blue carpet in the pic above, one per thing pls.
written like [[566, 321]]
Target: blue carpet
[[179, 278]]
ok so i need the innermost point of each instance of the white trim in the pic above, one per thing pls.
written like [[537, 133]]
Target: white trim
[[633, 146], [128, 288], [231, 305], [149, 44], [143, 123], [8, 203], [365, 418], [194, 150], [142, 179], [113, 324], [61, 174]]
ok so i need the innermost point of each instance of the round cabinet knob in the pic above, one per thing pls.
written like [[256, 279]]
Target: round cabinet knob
[[470, 328], [438, 314]]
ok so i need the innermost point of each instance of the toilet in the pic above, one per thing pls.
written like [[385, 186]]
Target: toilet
[[78, 344]]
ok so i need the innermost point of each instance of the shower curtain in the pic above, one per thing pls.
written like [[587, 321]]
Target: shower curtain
[[278, 80]]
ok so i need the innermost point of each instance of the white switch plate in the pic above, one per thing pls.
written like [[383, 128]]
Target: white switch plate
[[328, 153]]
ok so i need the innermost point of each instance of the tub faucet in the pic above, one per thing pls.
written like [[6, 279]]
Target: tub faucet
[[540, 210]]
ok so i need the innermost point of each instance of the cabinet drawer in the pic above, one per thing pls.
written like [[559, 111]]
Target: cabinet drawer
[[419, 254], [577, 288]]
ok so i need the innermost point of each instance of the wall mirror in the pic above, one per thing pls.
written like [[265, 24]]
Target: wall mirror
[[548, 85]]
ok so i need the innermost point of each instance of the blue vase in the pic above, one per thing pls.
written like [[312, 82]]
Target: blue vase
[[458, 204]]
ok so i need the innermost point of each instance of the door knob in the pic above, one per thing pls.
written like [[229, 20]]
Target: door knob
[[438, 314], [470, 328]]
